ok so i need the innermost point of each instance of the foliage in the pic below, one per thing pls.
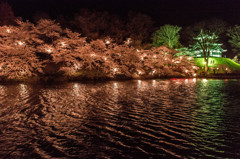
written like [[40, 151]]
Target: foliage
[[46, 49], [17, 54], [234, 35], [184, 51], [167, 35], [206, 44], [235, 59]]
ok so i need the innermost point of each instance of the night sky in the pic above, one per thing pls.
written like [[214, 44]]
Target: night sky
[[177, 12]]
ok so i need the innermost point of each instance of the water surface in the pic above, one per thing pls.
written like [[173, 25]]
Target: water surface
[[178, 118]]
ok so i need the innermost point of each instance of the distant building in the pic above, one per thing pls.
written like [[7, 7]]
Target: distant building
[[215, 50], [213, 53], [208, 43]]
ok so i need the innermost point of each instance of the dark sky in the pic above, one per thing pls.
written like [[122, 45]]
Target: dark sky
[[180, 12]]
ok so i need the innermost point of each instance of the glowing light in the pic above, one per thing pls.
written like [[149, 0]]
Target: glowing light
[[23, 87], [194, 74], [226, 69], [108, 42], [204, 80], [76, 86], [194, 79], [154, 83], [204, 63], [217, 68], [194, 67], [153, 71], [23, 72], [8, 31], [2, 89], [49, 50], [76, 89], [128, 41], [189, 58], [186, 71], [115, 85], [142, 58], [115, 70], [138, 50], [139, 72], [154, 56], [23, 90], [76, 66], [63, 44], [105, 58], [186, 80], [139, 81], [20, 43]]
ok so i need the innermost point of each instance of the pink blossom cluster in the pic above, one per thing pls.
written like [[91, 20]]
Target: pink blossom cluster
[[30, 50]]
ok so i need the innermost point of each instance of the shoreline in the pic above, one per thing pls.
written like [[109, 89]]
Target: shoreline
[[51, 80]]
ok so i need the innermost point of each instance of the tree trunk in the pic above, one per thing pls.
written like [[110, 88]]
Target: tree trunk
[[206, 66]]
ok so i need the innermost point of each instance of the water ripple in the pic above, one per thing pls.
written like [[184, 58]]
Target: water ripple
[[132, 119]]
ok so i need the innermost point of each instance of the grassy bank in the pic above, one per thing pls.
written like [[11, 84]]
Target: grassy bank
[[219, 65]]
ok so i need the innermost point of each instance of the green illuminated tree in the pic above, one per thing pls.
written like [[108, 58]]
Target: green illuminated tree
[[184, 51], [167, 35], [206, 45]]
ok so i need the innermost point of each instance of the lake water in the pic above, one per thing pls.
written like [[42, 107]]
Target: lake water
[[177, 118]]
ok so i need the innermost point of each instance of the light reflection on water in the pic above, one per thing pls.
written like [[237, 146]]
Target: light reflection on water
[[23, 90], [177, 118]]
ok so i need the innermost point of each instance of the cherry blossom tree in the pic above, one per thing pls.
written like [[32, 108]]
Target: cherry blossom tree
[[17, 54], [46, 49]]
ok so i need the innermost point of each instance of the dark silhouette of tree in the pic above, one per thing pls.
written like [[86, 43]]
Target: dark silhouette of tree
[[135, 28], [94, 25], [216, 26], [139, 28], [6, 14], [40, 15], [234, 39]]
